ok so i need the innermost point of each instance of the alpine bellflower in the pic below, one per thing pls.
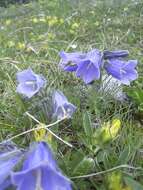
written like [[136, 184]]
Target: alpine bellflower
[[86, 65], [29, 82], [40, 171], [89, 68], [61, 107], [69, 61], [122, 70], [8, 161], [115, 54]]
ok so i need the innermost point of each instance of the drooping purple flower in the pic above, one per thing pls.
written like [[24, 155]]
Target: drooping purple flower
[[122, 70], [86, 65], [61, 107], [115, 54], [8, 161], [6, 184], [89, 68], [29, 82], [40, 171], [69, 61]]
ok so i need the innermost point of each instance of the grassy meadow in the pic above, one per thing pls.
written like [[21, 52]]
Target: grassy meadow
[[32, 35]]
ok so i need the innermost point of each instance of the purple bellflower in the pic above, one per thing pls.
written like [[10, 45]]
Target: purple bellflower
[[40, 171], [115, 54], [8, 161], [29, 82], [122, 70], [61, 107], [69, 61], [86, 65], [89, 68]]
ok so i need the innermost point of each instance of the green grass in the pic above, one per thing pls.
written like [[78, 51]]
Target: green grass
[[32, 35]]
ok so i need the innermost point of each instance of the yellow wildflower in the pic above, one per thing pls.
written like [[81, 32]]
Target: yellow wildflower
[[52, 21], [115, 181], [35, 20], [39, 134], [61, 21], [10, 44], [49, 137], [51, 36], [8, 22], [72, 31], [111, 131], [21, 45], [75, 26], [107, 132]]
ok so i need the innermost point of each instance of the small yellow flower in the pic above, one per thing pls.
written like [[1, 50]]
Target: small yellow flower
[[115, 181], [126, 8], [40, 37], [39, 135], [48, 17], [49, 137], [8, 22], [107, 132], [28, 49], [92, 12], [51, 36], [21, 45], [72, 31], [111, 130], [61, 21], [42, 134], [75, 26], [35, 20], [10, 44], [96, 23], [52, 21]]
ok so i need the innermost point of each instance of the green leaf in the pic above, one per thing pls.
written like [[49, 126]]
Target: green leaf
[[133, 184], [84, 167], [124, 156], [87, 124]]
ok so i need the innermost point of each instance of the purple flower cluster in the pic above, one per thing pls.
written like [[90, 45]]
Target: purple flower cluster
[[87, 66], [31, 83], [39, 170]]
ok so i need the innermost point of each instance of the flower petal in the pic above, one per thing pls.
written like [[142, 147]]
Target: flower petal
[[40, 171], [61, 107], [26, 75], [29, 83], [95, 56], [122, 70], [88, 72], [115, 54], [70, 60], [27, 90]]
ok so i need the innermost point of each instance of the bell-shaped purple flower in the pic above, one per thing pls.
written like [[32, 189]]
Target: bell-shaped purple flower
[[61, 107], [40, 171], [69, 61], [122, 70], [29, 82], [115, 54], [6, 184], [8, 161], [89, 68]]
